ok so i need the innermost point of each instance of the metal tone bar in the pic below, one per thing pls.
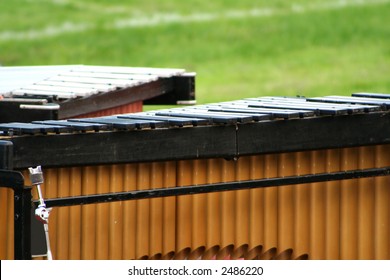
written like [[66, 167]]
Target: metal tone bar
[[353, 100], [207, 188], [74, 126], [60, 90], [241, 118], [292, 113], [94, 81], [255, 115], [121, 123], [29, 128], [170, 120], [273, 113], [99, 87], [20, 100], [39, 93], [110, 122], [371, 95], [302, 112], [113, 76], [352, 109], [207, 116], [48, 107], [252, 114], [162, 72], [319, 110]]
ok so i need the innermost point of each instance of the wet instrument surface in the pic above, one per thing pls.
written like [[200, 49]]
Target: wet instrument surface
[[250, 139], [244, 111]]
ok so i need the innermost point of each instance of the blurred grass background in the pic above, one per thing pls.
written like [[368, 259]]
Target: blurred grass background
[[237, 48]]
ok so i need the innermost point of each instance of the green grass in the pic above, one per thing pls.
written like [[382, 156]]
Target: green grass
[[313, 53]]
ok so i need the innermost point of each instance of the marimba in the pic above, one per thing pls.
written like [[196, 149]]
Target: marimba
[[267, 177], [31, 93]]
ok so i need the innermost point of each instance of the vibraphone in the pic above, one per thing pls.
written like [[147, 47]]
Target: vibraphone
[[269, 177], [30, 93]]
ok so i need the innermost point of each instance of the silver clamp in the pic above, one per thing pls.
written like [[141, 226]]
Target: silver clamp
[[41, 213]]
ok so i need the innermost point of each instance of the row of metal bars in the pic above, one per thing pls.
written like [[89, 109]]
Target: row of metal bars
[[346, 219]]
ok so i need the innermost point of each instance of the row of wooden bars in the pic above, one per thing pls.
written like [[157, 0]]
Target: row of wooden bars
[[347, 219]]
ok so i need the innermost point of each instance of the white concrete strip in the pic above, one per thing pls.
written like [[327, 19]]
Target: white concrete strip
[[175, 18]]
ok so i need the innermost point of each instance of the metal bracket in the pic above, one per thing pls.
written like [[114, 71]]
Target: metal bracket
[[41, 213]]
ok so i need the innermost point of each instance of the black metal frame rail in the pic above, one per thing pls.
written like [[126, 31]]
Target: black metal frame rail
[[216, 187], [23, 197], [22, 203]]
